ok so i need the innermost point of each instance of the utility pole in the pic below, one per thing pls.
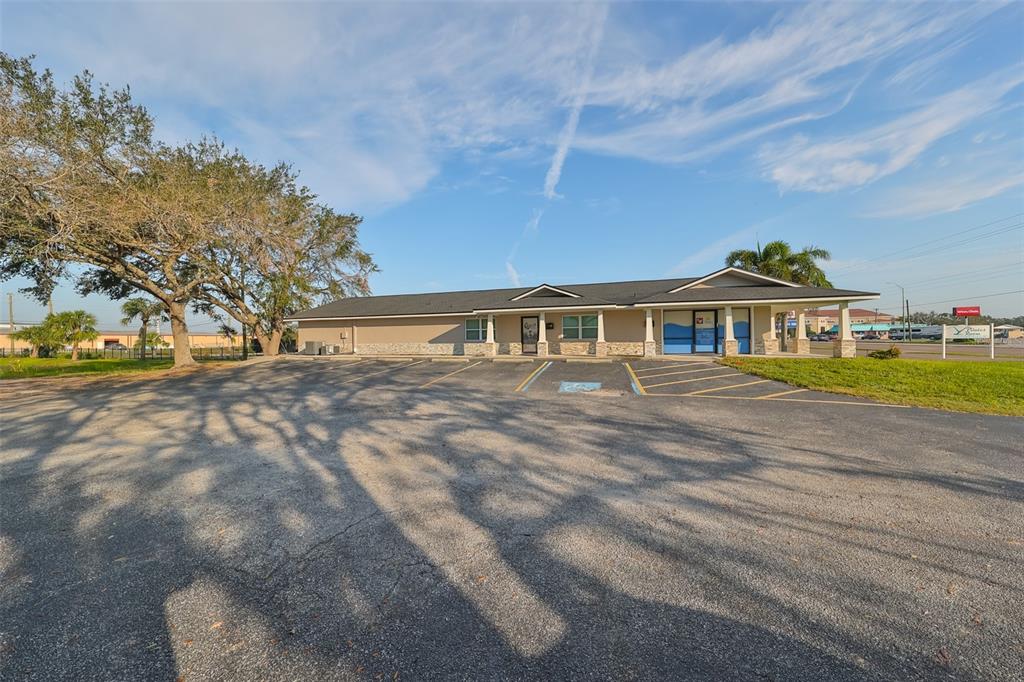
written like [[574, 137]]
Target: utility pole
[[10, 321], [50, 303], [910, 327], [904, 308]]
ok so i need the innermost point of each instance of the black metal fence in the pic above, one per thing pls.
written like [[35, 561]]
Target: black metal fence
[[212, 353]]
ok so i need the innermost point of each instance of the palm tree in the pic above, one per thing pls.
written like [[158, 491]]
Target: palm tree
[[145, 309], [39, 337], [777, 259], [75, 326]]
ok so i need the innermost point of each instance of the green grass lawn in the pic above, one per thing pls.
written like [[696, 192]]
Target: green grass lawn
[[24, 368], [988, 387]]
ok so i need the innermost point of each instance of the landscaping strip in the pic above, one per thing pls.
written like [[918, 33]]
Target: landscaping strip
[[984, 387]]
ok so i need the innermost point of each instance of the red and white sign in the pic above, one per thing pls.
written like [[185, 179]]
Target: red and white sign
[[967, 311]]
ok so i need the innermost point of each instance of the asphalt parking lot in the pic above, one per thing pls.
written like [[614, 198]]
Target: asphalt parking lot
[[326, 519]]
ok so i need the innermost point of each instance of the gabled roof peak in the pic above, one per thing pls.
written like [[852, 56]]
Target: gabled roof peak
[[737, 271], [551, 291]]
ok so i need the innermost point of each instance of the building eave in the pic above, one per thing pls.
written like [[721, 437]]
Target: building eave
[[758, 301]]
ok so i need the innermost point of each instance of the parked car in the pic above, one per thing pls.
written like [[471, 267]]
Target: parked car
[[115, 346], [870, 336], [820, 337]]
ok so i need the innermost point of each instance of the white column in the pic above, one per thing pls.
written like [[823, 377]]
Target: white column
[[801, 329], [649, 325], [600, 326], [728, 324], [542, 332], [490, 329], [771, 323], [845, 332]]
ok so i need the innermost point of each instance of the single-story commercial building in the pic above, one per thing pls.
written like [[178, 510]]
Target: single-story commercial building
[[726, 312], [111, 339], [824, 319]]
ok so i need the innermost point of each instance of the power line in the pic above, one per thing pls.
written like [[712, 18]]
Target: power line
[[990, 273], [860, 264], [945, 247], [963, 298]]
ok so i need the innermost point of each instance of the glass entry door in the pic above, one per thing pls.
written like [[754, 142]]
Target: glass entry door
[[530, 334], [705, 331]]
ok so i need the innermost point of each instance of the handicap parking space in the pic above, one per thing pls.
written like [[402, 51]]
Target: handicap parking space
[[568, 378]]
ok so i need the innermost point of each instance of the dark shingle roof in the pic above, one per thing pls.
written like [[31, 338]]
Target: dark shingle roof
[[698, 294], [589, 295]]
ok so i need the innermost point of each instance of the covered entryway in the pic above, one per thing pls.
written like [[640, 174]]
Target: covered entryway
[[529, 334]]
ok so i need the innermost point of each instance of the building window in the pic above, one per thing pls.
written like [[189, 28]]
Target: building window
[[579, 327], [476, 329]]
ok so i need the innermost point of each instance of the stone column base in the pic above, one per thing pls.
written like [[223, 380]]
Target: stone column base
[[769, 346], [601, 349], [542, 348], [490, 348], [731, 347], [803, 346], [650, 349], [844, 348]]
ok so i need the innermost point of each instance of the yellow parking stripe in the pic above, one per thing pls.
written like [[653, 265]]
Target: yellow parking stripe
[[450, 374], [723, 388], [687, 381], [781, 393], [636, 380], [682, 371], [530, 376], [389, 369]]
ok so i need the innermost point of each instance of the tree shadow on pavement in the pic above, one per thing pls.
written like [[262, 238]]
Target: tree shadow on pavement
[[274, 521]]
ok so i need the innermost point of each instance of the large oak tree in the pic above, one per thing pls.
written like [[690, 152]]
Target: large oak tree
[[83, 182]]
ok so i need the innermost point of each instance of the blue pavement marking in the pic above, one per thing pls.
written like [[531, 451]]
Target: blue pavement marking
[[578, 386]]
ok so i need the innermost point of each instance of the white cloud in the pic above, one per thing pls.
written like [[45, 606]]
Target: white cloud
[[943, 195], [716, 251], [370, 101], [723, 93], [853, 160], [592, 41], [513, 274]]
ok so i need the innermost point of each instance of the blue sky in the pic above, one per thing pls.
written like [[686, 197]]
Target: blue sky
[[494, 144]]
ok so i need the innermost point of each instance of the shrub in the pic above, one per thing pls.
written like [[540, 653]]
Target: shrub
[[891, 353]]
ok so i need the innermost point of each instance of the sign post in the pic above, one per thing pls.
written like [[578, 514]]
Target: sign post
[[975, 332]]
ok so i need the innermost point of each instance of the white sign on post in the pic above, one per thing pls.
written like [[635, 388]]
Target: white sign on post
[[975, 332]]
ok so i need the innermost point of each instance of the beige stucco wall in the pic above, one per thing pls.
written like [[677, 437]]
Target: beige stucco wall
[[761, 324], [624, 325], [325, 332], [385, 336], [411, 330]]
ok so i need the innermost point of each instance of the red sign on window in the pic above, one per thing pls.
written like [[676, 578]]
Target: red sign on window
[[967, 311]]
